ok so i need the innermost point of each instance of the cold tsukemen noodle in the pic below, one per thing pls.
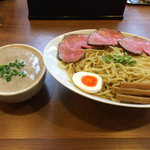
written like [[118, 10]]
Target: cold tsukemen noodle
[[112, 73]]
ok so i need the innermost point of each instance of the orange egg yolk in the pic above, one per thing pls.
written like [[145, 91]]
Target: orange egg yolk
[[89, 80]]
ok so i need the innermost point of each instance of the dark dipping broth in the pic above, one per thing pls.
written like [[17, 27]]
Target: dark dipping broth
[[33, 67]]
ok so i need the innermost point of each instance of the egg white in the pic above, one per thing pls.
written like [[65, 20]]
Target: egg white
[[77, 81]]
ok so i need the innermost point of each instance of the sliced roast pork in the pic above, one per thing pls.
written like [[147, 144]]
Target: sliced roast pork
[[146, 48], [105, 36], [135, 45], [71, 49]]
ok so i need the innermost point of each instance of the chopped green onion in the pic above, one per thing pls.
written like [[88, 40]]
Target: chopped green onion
[[123, 59], [12, 69]]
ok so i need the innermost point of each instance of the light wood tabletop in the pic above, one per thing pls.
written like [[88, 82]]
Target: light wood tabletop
[[57, 118]]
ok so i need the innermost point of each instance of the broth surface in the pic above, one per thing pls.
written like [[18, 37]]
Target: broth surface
[[33, 66]]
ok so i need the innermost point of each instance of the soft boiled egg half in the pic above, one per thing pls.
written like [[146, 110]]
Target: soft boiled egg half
[[88, 82]]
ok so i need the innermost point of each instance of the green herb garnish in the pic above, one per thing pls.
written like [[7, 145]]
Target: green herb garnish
[[123, 59], [12, 69]]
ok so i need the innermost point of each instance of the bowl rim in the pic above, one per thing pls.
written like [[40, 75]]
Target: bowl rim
[[43, 71]]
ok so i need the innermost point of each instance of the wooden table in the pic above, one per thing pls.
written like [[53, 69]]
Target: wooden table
[[56, 118]]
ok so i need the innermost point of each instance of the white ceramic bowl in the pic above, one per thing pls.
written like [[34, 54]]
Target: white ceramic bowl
[[51, 62], [27, 87]]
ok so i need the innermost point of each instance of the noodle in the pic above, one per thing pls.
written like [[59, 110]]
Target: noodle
[[111, 73]]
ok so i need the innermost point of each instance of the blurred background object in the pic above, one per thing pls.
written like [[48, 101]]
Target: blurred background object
[[77, 9], [139, 2]]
